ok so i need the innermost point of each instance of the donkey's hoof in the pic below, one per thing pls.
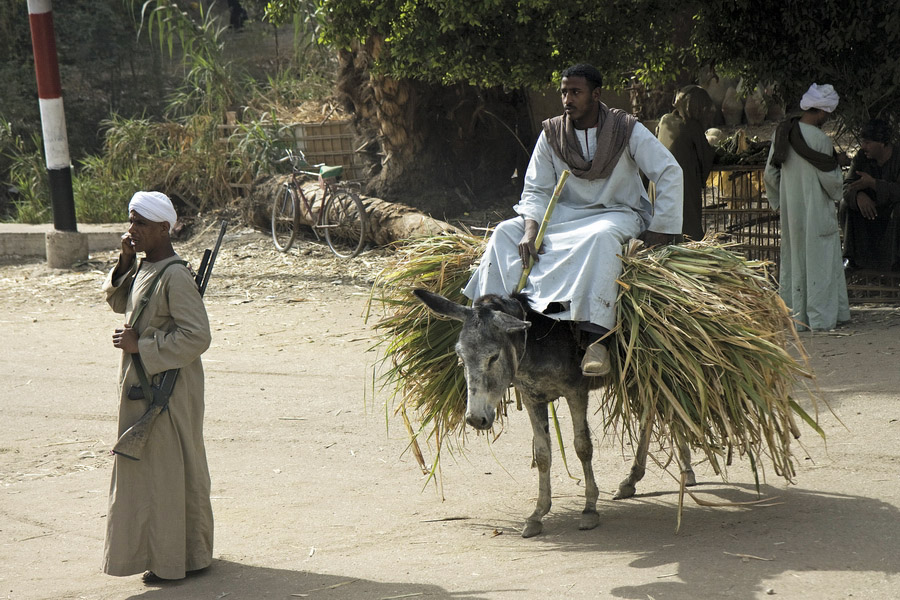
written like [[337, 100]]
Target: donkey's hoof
[[532, 528], [589, 519], [626, 490], [689, 479]]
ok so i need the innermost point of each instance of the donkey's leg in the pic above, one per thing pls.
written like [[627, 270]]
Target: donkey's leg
[[684, 462], [627, 487], [585, 450], [540, 425]]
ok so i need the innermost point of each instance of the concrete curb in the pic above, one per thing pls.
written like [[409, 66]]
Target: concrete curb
[[31, 240]]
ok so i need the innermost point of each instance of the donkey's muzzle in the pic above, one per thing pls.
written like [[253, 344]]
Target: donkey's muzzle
[[480, 422]]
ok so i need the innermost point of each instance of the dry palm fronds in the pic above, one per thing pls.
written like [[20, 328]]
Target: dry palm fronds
[[417, 349], [704, 349], [705, 352]]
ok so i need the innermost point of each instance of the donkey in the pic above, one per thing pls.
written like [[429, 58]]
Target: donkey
[[502, 342]]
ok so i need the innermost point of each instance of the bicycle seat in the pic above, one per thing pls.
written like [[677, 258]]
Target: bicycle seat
[[326, 172]]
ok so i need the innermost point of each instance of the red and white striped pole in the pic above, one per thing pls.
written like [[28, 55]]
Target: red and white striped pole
[[53, 118]]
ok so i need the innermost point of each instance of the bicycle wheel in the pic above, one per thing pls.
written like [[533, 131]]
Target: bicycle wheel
[[345, 223], [285, 219]]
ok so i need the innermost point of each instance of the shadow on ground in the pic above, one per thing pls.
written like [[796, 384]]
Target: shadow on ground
[[734, 551], [236, 581]]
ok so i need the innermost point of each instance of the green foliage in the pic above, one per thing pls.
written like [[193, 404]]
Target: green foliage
[[282, 12], [103, 65], [190, 159], [10, 12], [210, 83], [99, 198], [419, 365], [103, 183], [256, 144], [185, 154], [511, 43], [851, 44], [22, 166], [184, 159], [288, 88], [309, 57]]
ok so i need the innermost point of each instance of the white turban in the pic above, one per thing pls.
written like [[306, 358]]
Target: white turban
[[154, 206], [820, 96]]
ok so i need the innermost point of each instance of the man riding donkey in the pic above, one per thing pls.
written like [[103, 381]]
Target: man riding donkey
[[505, 340], [603, 206]]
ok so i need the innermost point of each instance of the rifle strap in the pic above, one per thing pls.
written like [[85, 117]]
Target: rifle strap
[[135, 315], [142, 375]]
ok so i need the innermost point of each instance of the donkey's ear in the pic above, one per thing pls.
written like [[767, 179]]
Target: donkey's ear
[[509, 323], [442, 306]]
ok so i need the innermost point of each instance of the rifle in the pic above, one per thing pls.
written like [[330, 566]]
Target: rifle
[[131, 443]]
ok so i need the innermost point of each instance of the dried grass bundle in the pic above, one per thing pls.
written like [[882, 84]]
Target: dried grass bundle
[[706, 350], [417, 350]]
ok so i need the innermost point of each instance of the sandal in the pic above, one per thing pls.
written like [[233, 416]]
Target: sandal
[[151, 577], [596, 360]]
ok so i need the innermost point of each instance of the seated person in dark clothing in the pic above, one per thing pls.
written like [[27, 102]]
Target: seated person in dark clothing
[[870, 209]]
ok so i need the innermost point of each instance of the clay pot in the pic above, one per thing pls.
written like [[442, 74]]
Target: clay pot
[[732, 108], [755, 108]]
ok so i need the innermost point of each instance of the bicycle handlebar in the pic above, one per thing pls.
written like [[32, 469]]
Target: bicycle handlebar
[[298, 169]]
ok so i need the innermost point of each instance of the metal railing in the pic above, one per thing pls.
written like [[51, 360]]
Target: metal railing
[[735, 204]]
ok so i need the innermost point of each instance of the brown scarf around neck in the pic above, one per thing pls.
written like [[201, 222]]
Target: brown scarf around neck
[[613, 132], [788, 135]]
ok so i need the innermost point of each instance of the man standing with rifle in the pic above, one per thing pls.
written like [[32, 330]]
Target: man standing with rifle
[[160, 518]]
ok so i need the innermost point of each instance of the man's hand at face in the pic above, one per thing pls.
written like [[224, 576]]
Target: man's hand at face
[[127, 249]]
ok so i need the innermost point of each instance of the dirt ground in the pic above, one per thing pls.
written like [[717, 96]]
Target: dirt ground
[[316, 497]]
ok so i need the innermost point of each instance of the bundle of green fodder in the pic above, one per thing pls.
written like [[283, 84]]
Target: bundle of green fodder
[[708, 352], [704, 349], [417, 349]]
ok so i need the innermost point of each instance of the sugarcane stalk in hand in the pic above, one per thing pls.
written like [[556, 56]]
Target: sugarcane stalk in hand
[[530, 246]]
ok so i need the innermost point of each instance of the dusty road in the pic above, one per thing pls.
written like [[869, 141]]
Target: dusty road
[[315, 496]]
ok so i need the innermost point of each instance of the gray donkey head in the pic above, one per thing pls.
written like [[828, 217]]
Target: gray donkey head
[[490, 345]]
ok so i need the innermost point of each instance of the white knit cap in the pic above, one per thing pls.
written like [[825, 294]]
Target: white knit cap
[[820, 96], [154, 206]]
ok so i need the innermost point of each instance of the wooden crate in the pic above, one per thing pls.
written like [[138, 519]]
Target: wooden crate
[[873, 287], [330, 143]]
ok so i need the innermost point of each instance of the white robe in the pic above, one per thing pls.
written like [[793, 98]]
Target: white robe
[[811, 274], [160, 515], [591, 222]]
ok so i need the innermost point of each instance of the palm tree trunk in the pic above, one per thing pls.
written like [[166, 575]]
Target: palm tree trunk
[[439, 148]]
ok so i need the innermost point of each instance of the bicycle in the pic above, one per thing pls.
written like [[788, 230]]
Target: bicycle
[[341, 216]]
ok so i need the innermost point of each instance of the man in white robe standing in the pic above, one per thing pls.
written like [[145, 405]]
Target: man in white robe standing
[[160, 517], [804, 183], [601, 207]]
